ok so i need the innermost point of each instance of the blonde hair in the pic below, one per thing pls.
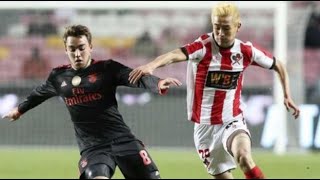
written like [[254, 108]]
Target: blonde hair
[[226, 9]]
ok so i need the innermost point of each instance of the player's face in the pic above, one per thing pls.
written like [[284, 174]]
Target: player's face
[[79, 51], [224, 30]]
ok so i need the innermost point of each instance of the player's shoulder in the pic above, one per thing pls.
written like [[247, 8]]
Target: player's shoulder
[[246, 43], [252, 46], [61, 68], [103, 61], [99, 62], [205, 37], [245, 47], [111, 62], [108, 64], [58, 70]]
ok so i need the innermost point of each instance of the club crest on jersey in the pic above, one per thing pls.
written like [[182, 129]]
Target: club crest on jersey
[[236, 58], [92, 78], [76, 81]]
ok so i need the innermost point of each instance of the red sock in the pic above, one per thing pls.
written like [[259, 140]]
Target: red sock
[[254, 173]]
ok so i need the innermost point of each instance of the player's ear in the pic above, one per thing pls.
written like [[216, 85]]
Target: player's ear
[[238, 26]]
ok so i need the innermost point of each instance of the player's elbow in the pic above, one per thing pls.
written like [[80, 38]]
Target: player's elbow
[[175, 56]]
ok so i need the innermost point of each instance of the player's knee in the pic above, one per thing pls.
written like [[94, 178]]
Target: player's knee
[[154, 175], [97, 171]]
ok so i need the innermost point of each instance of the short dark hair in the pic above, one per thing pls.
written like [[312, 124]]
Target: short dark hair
[[76, 31]]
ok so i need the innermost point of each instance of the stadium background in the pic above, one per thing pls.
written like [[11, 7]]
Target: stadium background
[[136, 36]]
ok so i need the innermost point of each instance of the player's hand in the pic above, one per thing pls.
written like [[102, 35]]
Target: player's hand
[[165, 83], [136, 74], [288, 102], [12, 115]]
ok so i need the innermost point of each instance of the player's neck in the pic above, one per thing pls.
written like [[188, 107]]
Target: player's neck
[[88, 63]]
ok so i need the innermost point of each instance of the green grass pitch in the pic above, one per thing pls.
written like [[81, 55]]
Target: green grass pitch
[[173, 164]]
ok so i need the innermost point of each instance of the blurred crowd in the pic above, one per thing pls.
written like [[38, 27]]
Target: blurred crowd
[[31, 43]]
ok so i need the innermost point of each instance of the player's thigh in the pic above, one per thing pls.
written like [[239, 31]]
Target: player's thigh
[[210, 148], [237, 138], [97, 163], [134, 161]]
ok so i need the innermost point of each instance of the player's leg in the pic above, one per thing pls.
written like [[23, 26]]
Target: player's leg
[[97, 171], [98, 164], [239, 145], [208, 143], [134, 161], [224, 175]]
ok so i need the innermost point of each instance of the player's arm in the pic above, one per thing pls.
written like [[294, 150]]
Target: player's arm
[[149, 82], [171, 57], [12, 115], [36, 97], [284, 79]]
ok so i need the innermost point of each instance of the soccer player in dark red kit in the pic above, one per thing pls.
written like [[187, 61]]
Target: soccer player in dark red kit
[[216, 62], [88, 88]]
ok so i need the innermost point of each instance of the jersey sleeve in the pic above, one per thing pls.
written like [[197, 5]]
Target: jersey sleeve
[[194, 50], [39, 95], [262, 58], [121, 73]]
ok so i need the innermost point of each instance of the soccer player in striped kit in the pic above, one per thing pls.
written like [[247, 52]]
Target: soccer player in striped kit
[[216, 62], [88, 88]]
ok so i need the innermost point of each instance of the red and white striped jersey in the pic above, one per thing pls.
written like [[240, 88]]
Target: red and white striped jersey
[[215, 78]]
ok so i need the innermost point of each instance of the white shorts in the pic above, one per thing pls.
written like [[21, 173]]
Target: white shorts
[[211, 145]]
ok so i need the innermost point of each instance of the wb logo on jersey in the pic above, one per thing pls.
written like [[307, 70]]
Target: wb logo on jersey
[[222, 80]]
